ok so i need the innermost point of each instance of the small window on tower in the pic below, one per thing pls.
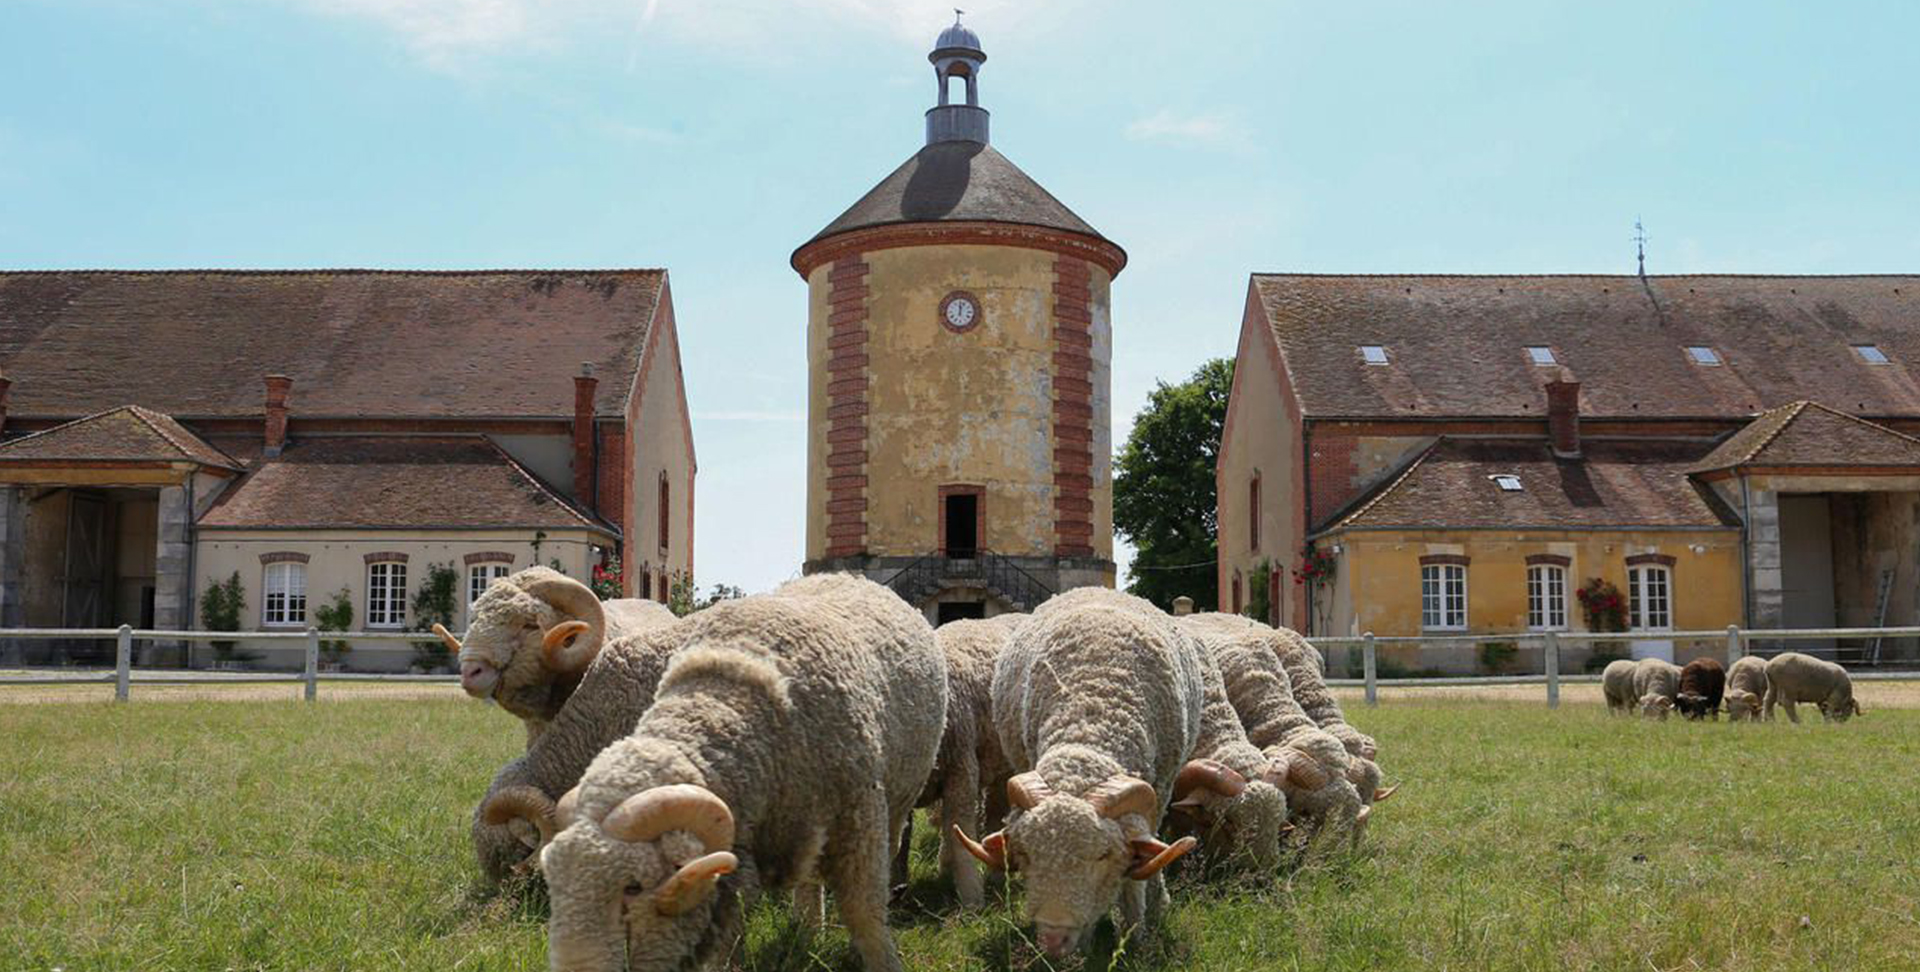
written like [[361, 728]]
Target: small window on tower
[[1373, 354], [1541, 355]]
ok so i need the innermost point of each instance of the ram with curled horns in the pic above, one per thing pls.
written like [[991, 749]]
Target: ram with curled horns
[[1097, 701], [531, 636]]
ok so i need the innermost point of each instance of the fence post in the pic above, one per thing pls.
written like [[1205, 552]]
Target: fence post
[[1368, 667], [123, 663], [1553, 669], [312, 672], [1736, 649]]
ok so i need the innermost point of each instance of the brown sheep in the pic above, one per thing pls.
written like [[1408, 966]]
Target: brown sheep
[[1702, 683]]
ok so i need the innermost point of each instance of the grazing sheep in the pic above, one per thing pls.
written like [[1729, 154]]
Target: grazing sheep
[[1311, 767], [1793, 677], [1655, 684], [1616, 683], [788, 740], [531, 636], [1702, 683], [969, 777], [1097, 701], [1306, 672], [1746, 687], [518, 813]]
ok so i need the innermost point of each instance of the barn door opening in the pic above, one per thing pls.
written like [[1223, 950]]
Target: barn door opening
[[960, 521]]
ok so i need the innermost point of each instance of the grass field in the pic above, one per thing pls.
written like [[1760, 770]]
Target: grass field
[[275, 835]]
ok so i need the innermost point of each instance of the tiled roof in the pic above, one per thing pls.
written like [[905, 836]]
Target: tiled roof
[[1811, 434], [958, 181], [425, 482], [125, 434], [1617, 484], [196, 343], [1456, 345]]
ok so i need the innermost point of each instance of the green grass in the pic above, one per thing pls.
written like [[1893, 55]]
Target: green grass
[[279, 835]]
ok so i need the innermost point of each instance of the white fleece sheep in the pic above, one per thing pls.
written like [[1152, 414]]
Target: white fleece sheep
[[1320, 778], [1616, 684], [786, 744], [1097, 701], [1746, 688], [518, 813], [531, 636], [1656, 683], [1307, 672], [1793, 677]]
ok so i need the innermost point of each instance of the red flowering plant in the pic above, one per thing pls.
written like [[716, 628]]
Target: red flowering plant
[[608, 583], [1315, 566], [1604, 606]]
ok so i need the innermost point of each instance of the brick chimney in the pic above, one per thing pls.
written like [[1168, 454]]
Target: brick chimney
[[1563, 418], [277, 388], [584, 385], [5, 385]]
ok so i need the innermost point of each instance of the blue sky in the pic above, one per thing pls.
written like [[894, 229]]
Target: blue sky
[[1211, 139]]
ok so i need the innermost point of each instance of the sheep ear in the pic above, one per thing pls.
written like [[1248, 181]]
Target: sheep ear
[[553, 645]]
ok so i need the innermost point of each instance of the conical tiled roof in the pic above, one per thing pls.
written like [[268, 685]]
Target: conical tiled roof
[[958, 182]]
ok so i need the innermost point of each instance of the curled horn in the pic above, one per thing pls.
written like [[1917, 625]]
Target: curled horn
[[553, 644], [693, 882], [1381, 795], [1292, 769], [646, 815], [1214, 776], [1157, 855], [521, 802], [1122, 795], [1027, 790], [991, 849], [453, 644], [578, 603]]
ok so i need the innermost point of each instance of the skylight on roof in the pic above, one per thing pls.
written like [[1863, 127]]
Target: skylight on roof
[[1507, 482], [1870, 353], [1541, 355], [1703, 355], [1373, 354]]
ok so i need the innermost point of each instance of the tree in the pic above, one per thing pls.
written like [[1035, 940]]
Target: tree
[[434, 603], [221, 606], [1163, 488]]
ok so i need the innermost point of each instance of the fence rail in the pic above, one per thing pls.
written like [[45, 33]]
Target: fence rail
[[1738, 642]]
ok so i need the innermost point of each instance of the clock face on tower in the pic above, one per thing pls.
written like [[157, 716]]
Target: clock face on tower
[[960, 311]]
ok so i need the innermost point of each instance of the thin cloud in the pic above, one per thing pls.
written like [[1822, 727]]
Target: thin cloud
[[1209, 129]]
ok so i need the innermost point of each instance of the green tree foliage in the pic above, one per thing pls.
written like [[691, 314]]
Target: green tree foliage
[[434, 603], [221, 606], [1163, 488], [335, 615]]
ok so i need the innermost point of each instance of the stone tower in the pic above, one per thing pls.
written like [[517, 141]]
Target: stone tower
[[959, 349]]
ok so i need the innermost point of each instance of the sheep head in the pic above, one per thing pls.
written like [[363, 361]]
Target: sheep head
[[529, 634], [641, 882], [1075, 851], [1742, 704], [1239, 819], [1655, 704]]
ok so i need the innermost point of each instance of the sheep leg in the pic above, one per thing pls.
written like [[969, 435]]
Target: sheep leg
[[1793, 714], [903, 856], [809, 905], [1773, 695], [858, 879], [960, 806]]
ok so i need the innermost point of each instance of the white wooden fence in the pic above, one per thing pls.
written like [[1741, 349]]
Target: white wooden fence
[[1738, 643]]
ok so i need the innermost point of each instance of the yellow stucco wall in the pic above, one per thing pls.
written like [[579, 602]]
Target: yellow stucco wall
[[970, 408], [1378, 575]]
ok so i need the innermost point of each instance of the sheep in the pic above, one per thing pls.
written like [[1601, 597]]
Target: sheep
[[970, 775], [786, 744], [1311, 768], [518, 813], [1307, 678], [1746, 687], [1655, 683], [531, 636], [1702, 683], [1097, 701], [1616, 683], [1793, 677]]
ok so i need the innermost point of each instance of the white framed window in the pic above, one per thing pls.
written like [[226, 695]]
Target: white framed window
[[1650, 598], [1541, 355], [1547, 597], [1443, 597], [284, 600], [480, 576], [1373, 354], [1703, 355], [386, 594]]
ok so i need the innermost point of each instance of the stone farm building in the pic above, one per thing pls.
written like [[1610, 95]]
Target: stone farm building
[[1469, 451], [329, 432]]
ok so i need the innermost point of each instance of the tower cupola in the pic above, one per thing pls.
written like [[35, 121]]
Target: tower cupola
[[957, 54]]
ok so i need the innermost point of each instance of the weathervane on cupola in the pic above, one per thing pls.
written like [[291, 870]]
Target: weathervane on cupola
[[957, 54]]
